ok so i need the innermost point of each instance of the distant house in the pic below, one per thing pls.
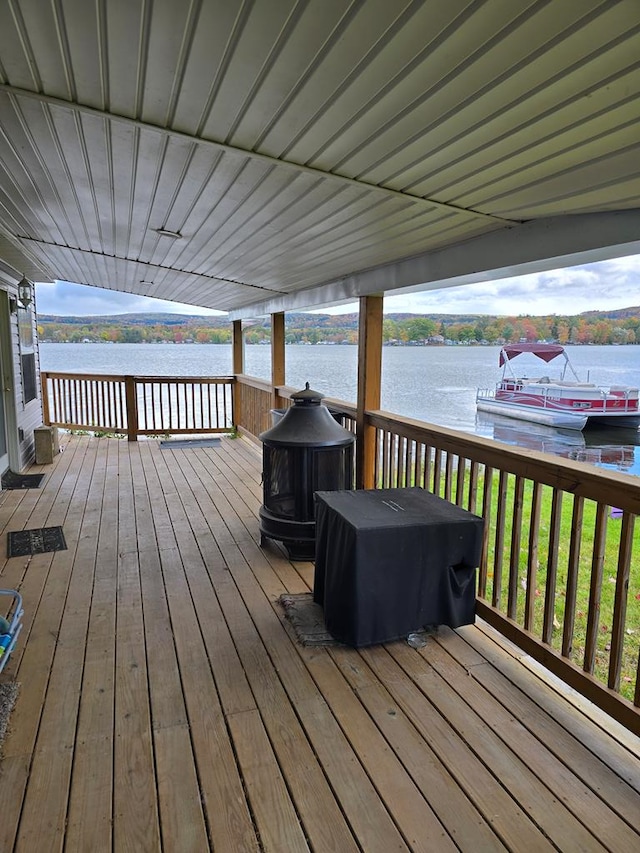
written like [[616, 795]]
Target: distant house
[[20, 403]]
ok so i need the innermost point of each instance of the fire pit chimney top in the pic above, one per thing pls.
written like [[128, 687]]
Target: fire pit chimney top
[[307, 424], [307, 397]]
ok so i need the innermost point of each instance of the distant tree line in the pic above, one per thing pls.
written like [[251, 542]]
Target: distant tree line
[[132, 334], [613, 327]]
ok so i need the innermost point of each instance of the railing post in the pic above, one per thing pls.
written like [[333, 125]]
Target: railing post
[[369, 381], [237, 352], [131, 400], [277, 356], [44, 385]]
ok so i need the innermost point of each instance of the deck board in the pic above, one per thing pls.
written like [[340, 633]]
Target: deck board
[[562, 743], [166, 705], [89, 818], [570, 810], [614, 750]]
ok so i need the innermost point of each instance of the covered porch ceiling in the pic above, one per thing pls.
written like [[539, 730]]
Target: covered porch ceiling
[[265, 155]]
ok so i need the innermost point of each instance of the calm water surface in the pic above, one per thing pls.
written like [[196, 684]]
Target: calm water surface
[[434, 384]]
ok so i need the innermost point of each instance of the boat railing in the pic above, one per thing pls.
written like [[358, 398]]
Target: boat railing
[[486, 392], [548, 396]]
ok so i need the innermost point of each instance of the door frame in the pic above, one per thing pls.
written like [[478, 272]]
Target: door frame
[[7, 382]]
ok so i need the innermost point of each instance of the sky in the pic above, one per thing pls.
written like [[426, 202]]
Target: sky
[[606, 285]]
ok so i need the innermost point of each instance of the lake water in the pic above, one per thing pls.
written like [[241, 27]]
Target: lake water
[[434, 384]]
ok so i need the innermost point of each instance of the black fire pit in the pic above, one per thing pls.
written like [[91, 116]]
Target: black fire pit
[[305, 452]]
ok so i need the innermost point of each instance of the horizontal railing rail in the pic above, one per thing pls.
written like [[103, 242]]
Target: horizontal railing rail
[[138, 405]]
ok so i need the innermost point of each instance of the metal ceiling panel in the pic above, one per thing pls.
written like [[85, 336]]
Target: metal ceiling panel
[[288, 145], [17, 263]]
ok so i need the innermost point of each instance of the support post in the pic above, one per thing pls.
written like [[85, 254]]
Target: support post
[[237, 353], [44, 385], [369, 385], [277, 355], [131, 402]]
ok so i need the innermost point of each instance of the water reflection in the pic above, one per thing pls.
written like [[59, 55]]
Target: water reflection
[[613, 448]]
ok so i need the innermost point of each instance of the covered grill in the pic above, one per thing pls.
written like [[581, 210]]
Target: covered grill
[[306, 451]]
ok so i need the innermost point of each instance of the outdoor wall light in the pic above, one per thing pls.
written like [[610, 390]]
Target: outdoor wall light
[[25, 293]]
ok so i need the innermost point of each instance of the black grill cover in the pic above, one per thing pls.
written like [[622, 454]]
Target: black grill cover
[[392, 561]]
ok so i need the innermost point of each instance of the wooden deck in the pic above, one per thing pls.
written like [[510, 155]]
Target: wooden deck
[[165, 704]]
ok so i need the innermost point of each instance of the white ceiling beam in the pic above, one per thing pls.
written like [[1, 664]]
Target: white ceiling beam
[[535, 246], [420, 201]]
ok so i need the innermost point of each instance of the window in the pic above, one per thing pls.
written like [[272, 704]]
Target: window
[[27, 353]]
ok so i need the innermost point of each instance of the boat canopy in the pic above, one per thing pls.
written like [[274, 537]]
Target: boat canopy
[[547, 352]]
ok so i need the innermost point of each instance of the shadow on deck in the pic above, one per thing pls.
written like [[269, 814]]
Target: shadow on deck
[[165, 704]]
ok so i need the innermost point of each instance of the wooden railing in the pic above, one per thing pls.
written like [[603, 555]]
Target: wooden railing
[[138, 405], [557, 562], [558, 549], [557, 554], [254, 400]]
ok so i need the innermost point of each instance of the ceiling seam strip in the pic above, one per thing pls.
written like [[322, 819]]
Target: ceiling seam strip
[[456, 22], [147, 264], [576, 169], [540, 142], [202, 254], [227, 54], [289, 243], [86, 163], [188, 34], [248, 217], [344, 206], [64, 164], [253, 155], [340, 27]]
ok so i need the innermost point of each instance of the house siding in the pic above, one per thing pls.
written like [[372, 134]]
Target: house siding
[[27, 415]]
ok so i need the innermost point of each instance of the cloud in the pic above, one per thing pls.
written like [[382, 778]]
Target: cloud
[[65, 299], [602, 286]]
